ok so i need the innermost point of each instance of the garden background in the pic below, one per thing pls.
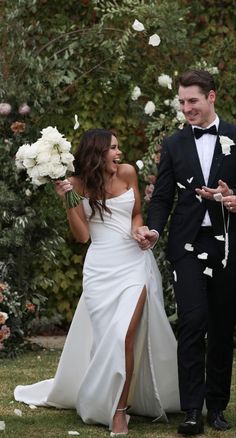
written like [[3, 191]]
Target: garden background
[[60, 58]]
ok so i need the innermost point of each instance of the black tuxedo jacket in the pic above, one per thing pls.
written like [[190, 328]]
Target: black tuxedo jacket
[[180, 166]]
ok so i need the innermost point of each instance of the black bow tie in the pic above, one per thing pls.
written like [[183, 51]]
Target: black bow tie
[[199, 132]]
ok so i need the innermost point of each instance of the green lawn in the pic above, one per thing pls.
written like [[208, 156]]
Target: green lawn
[[52, 423]]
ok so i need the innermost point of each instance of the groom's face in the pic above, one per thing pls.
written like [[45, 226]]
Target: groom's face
[[197, 108]]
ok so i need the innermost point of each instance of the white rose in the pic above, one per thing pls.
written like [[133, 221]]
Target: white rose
[[175, 103], [154, 40], [138, 26], [52, 135], [3, 317], [149, 108], [57, 171], [63, 145], [136, 93], [165, 81], [28, 163]]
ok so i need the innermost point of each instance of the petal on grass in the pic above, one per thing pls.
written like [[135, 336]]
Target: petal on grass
[[73, 432], [2, 425], [32, 407], [18, 412]]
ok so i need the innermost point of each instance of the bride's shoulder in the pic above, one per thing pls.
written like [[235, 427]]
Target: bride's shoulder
[[126, 170]]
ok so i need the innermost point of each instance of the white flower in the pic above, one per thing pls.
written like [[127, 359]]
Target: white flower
[[2, 425], [226, 142], [167, 102], [149, 108], [136, 93], [52, 135], [18, 412], [76, 125], [175, 103], [180, 117], [138, 26], [165, 81], [139, 164], [154, 40]]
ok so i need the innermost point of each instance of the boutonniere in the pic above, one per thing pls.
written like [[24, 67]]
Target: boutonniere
[[226, 143]]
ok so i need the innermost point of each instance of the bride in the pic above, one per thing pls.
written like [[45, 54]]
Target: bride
[[120, 352]]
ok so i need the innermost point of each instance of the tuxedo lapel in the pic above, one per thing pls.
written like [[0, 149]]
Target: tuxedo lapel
[[191, 155], [218, 156]]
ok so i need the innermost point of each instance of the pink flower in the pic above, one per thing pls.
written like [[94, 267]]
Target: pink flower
[[24, 109], [5, 109]]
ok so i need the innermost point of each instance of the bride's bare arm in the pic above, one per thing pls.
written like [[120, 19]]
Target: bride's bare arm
[[76, 216]]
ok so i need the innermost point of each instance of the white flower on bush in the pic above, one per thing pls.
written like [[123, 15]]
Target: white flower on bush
[[154, 40], [165, 81], [149, 108], [136, 93], [138, 26], [180, 117], [175, 103], [226, 143], [139, 164]]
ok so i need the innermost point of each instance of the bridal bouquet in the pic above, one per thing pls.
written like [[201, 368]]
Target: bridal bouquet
[[47, 159]]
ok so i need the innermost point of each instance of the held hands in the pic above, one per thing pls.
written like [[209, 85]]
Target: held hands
[[63, 186], [146, 239]]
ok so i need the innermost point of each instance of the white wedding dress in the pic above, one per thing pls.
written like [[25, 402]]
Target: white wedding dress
[[91, 372]]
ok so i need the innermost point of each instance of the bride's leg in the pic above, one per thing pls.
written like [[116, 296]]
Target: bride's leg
[[119, 420]]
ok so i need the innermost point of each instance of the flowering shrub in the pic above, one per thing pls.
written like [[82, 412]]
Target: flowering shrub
[[15, 316]]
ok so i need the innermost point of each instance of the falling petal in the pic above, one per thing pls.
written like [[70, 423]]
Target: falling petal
[[221, 237], [73, 432], [138, 26], [199, 198], [188, 247], [203, 256], [76, 126], [208, 271], [2, 425], [181, 186], [154, 40], [190, 179], [18, 412], [175, 275]]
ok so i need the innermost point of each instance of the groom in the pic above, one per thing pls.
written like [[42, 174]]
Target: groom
[[204, 271]]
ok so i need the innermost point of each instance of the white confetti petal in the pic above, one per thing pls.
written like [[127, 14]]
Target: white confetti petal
[[208, 271], [138, 26], [190, 179], [181, 186], [199, 198], [175, 275], [76, 126], [203, 256], [188, 247], [73, 432], [154, 40], [32, 407], [2, 425], [18, 412], [221, 237], [217, 197]]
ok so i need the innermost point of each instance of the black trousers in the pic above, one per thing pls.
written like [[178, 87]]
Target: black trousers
[[207, 316]]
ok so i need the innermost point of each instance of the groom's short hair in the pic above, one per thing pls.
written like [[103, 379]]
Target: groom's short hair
[[202, 78]]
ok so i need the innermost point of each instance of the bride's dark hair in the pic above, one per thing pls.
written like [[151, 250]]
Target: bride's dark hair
[[90, 164]]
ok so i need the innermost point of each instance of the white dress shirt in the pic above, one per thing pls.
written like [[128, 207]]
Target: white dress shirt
[[205, 149]]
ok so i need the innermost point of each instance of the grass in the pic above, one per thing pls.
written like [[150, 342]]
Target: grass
[[53, 423]]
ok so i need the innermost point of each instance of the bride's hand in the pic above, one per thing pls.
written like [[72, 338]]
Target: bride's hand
[[63, 186]]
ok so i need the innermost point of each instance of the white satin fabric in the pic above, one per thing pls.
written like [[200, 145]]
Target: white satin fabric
[[91, 371]]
